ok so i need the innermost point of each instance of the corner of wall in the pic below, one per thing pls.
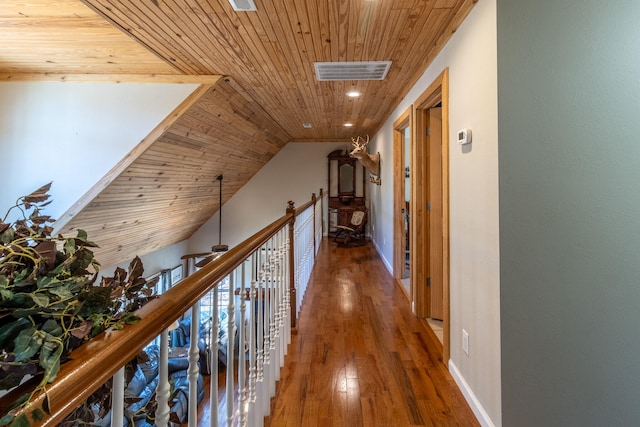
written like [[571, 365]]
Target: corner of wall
[[382, 257], [477, 408]]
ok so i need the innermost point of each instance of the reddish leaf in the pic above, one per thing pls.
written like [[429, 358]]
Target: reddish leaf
[[40, 195], [119, 276], [135, 269], [152, 282], [47, 230], [106, 282], [40, 219], [47, 250], [82, 330]]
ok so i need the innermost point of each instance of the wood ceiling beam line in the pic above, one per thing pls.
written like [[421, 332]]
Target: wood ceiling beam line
[[136, 152], [206, 79]]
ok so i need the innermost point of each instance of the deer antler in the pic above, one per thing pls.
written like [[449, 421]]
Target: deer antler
[[356, 142]]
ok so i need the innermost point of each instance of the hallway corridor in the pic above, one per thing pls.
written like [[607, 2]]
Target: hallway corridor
[[360, 358]]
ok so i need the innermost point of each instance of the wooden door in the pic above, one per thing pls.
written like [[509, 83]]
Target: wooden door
[[434, 155], [401, 140], [436, 95]]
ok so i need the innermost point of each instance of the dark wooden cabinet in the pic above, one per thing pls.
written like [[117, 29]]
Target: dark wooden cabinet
[[346, 188]]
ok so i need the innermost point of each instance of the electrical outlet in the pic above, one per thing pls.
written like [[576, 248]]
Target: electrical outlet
[[465, 342]]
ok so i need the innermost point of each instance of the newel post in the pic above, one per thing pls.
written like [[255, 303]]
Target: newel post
[[293, 298], [313, 200], [321, 212]]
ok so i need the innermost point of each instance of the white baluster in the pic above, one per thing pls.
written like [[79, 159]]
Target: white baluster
[[267, 333], [253, 375], [260, 336], [242, 362], [281, 295], [213, 361], [277, 311], [194, 370], [163, 390], [287, 284], [117, 397], [273, 307], [230, 348]]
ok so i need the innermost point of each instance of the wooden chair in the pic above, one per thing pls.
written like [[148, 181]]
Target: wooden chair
[[354, 233]]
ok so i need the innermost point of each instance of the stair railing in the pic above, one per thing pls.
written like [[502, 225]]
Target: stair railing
[[266, 272]]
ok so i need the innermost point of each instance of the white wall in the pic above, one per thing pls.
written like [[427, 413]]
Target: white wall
[[54, 123], [474, 242], [297, 171], [73, 133]]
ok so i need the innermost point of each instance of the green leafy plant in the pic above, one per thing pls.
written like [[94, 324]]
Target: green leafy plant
[[49, 300]]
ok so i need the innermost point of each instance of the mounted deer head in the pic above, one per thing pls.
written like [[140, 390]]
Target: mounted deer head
[[372, 163]]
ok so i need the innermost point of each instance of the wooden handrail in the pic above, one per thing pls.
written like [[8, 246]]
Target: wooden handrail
[[306, 206], [93, 363]]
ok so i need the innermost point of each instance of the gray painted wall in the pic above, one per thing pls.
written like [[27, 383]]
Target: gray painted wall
[[569, 127]]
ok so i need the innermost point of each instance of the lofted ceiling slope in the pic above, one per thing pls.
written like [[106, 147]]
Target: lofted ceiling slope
[[163, 190], [166, 188]]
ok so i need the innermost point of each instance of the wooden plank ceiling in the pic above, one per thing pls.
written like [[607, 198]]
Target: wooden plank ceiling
[[269, 91], [270, 52]]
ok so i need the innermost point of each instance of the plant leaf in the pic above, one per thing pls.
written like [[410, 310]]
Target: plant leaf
[[63, 292], [135, 269], [10, 331], [84, 258], [12, 374], [28, 342], [40, 299], [6, 294], [7, 236], [82, 235], [37, 415], [70, 246], [39, 219], [45, 404], [129, 318], [39, 195], [83, 330], [95, 300], [50, 358], [6, 420], [20, 421], [47, 250], [52, 327]]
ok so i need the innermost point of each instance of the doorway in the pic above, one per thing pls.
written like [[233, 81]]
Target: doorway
[[402, 131], [430, 208]]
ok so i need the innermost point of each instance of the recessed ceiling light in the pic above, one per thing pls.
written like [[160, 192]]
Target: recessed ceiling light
[[307, 125], [353, 94], [348, 125]]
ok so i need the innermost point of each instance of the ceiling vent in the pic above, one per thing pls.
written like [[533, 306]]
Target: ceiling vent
[[243, 5], [363, 70]]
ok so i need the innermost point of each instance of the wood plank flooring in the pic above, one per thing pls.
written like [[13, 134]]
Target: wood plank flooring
[[360, 358]]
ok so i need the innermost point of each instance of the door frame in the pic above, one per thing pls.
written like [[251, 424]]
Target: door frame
[[436, 93], [403, 122]]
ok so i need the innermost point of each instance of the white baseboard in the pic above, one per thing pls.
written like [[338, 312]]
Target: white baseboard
[[470, 397], [384, 260]]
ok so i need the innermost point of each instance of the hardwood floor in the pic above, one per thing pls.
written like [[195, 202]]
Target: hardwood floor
[[360, 358]]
